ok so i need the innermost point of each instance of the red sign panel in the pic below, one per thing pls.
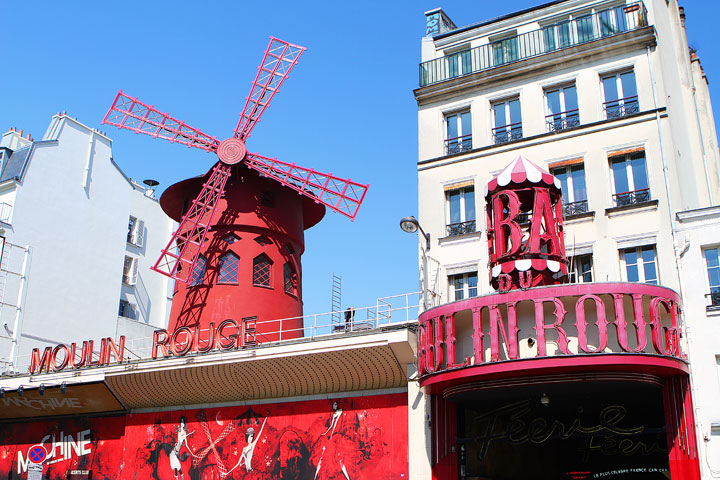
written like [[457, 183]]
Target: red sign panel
[[358, 437]]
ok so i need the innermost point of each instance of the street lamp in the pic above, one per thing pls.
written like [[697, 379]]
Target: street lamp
[[411, 225]]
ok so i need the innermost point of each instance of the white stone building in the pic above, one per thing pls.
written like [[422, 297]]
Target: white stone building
[[79, 239], [609, 97]]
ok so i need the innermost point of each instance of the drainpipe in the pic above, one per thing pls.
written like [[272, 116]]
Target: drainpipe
[[17, 326]]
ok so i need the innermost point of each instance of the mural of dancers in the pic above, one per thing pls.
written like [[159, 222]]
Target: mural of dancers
[[176, 458], [247, 452]]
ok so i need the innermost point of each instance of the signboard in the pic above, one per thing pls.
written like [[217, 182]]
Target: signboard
[[85, 398]]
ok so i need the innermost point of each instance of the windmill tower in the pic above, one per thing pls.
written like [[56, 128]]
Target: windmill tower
[[236, 252]]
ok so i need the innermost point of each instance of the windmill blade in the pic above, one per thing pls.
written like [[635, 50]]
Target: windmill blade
[[280, 57], [132, 114], [178, 258], [340, 195]]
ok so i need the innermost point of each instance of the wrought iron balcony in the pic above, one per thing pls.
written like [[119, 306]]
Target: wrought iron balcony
[[621, 107], [551, 38], [575, 208], [563, 120], [460, 228], [714, 299], [507, 133], [458, 144], [632, 198]]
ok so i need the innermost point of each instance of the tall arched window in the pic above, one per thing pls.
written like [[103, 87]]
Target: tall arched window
[[289, 279], [228, 268], [198, 274], [261, 271]]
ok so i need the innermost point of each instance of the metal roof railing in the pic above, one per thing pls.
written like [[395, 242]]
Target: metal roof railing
[[549, 38]]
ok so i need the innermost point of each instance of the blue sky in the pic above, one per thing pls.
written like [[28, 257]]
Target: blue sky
[[347, 109]]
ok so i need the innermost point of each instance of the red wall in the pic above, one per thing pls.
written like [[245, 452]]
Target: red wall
[[369, 440]]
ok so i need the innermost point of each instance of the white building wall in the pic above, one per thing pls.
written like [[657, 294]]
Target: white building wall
[[675, 128], [70, 224]]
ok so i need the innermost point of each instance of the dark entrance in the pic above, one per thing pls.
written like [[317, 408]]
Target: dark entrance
[[611, 429]]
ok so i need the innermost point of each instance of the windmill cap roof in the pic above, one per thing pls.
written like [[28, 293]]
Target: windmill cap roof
[[522, 172]]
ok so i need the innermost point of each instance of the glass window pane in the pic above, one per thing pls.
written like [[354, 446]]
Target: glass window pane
[[628, 84], [553, 100], [453, 67], [452, 130], [511, 48], [472, 284], [632, 273], [515, 111], [564, 34], [620, 176], [711, 257], [549, 34], [228, 268], [714, 277], [469, 205], [570, 94], [586, 268], [584, 28], [466, 60], [458, 284], [454, 200], [466, 123], [499, 109], [648, 256], [562, 175], [610, 88], [578, 178], [639, 175]]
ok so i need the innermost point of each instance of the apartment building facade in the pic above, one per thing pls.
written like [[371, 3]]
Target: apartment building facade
[[608, 97], [79, 238]]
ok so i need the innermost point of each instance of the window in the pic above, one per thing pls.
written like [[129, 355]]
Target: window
[[262, 240], [461, 210], [261, 271], [712, 261], [228, 268], [463, 286], [508, 124], [289, 279], [614, 21], [130, 270], [197, 277], [459, 132], [126, 310], [136, 230], [230, 238], [574, 193], [459, 63], [640, 264], [562, 108], [505, 51], [557, 36], [620, 94], [580, 269], [630, 179]]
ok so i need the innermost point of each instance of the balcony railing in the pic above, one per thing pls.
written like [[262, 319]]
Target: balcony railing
[[621, 107], [460, 228], [5, 212], [714, 299], [563, 120], [458, 144], [575, 208], [551, 38], [507, 133], [632, 198]]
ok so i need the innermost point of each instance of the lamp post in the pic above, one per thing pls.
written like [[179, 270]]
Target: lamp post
[[411, 225]]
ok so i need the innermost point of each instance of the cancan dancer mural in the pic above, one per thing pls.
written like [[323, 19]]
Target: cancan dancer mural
[[348, 438]]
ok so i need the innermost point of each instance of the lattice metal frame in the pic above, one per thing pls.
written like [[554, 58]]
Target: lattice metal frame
[[178, 258], [229, 266], [262, 268]]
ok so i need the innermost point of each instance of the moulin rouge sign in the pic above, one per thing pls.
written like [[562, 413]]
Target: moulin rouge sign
[[226, 337], [650, 305]]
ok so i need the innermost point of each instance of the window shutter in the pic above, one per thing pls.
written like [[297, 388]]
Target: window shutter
[[133, 276], [140, 233], [126, 270]]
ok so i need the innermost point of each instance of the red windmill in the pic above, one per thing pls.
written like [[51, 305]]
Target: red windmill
[[236, 252]]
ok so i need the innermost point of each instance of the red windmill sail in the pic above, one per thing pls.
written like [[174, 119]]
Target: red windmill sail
[[178, 259]]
